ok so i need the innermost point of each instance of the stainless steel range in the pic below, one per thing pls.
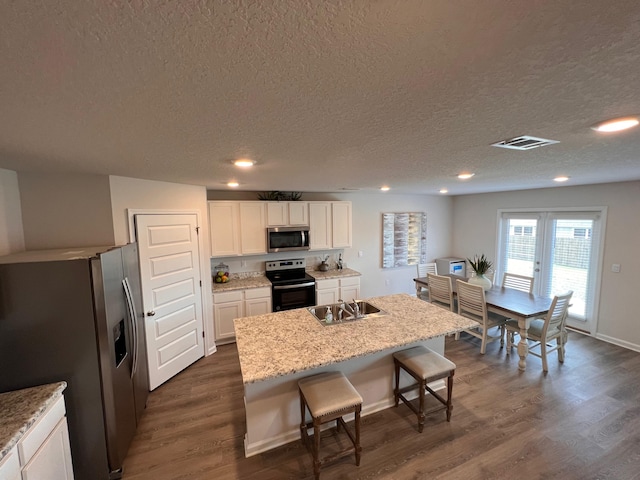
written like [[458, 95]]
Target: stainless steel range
[[291, 286]]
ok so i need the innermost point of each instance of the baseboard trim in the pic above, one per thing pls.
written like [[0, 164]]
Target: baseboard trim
[[617, 341]]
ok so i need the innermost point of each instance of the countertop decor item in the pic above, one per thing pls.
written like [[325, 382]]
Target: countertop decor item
[[324, 266], [221, 274], [480, 265]]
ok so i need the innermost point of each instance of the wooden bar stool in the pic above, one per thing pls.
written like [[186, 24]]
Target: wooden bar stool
[[329, 396], [425, 366]]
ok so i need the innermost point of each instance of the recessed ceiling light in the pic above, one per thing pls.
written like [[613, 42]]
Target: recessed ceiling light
[[233, 184], [244, 162], [444, 190], [465, 176], [616, 125], [561, 178], [385, 188]]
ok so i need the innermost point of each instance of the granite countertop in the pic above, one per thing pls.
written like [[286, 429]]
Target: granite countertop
[[21, 408], [335, 273], [238, 282], [243, 281], [291, 341]]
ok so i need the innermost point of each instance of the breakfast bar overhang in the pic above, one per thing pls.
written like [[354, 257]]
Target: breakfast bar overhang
[[278, 349]]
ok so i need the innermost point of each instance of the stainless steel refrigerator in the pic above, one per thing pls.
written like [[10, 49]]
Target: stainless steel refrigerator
[[76, 315]]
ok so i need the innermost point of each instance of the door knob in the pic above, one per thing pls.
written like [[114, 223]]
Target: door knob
[[151, 313]]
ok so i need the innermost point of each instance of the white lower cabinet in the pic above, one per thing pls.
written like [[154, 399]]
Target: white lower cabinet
[[327, 291], [43, 453], [350, 288], [228, 306], [10, 466], [333, 289]]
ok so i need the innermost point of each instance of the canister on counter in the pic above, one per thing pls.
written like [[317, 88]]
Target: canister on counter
[[221, 273]]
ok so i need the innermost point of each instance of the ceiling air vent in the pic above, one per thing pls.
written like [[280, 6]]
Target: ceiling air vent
[[524, 142]]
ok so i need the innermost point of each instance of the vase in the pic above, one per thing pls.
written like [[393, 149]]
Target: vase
[[480, 279]]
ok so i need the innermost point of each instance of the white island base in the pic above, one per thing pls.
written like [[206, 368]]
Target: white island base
[[273, 406], [278, 349]]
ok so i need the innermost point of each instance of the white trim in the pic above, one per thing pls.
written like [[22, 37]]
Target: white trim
[[205, 265], [536, 211], [617, 341], [132, 212]]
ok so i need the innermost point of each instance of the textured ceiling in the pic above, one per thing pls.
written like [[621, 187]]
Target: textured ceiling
[[324, 95]]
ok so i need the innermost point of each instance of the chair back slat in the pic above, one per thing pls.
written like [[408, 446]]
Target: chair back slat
[[471, 302], [425, 268], [517, 282], [557, 312], [440, 290]]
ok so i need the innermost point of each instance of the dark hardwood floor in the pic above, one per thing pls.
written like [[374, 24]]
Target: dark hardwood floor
[[579, 421]]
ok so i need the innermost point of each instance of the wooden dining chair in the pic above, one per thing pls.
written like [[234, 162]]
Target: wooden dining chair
[[425, 269], [517, 282], [472, 304], [440, 291], [543, 330]]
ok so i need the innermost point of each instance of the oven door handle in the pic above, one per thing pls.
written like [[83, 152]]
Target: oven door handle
[[297, 285]]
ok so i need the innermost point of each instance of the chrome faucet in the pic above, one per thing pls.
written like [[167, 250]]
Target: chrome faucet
[[356, 308], [352, 309]]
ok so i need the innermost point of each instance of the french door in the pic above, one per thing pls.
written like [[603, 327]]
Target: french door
[[561, 250]]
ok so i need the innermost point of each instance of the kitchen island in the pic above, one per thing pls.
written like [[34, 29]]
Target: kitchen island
[[277, 349]]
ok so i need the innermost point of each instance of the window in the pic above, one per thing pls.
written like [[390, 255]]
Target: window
[[581, 233], [522, 230]]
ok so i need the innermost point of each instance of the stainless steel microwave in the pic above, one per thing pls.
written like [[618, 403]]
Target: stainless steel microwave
[[286, 239]]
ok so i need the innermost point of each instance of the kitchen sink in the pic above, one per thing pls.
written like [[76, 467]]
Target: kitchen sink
[[344, 312], [366, 308]]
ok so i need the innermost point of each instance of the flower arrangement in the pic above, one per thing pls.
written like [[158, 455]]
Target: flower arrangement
[[480, 265]]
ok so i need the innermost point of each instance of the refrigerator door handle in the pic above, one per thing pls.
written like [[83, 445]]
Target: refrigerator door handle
[[134, 326]]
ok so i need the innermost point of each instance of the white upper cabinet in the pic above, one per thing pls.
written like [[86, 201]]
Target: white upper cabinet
[[224, 228], [330, 225], [341, 223], [298, 213], [237, 228], [253, 225], [286, 214], [320, 226]]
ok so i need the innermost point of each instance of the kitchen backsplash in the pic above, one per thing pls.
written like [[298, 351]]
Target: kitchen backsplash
[[255, 263]]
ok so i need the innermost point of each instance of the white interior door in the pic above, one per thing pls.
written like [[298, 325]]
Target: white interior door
[[172, 296]]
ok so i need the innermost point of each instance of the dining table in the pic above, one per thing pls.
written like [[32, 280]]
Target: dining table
[[508, 302]]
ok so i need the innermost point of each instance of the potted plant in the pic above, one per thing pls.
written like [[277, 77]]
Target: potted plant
[[480, 265]]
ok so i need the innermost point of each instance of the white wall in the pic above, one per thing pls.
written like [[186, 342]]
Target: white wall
[[475, 231], [69, 210], [11, 233], [131, 193], [367, 237]]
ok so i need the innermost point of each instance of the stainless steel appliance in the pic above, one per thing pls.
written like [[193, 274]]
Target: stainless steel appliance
[[291, 286], [283, 239], [76, 315]]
